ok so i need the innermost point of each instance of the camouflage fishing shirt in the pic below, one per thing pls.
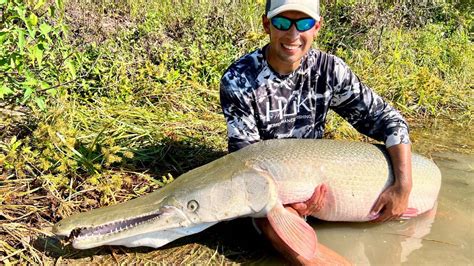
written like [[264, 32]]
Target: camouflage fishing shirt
[[259, 103]]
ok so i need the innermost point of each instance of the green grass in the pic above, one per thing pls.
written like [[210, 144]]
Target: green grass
[[122, 95]]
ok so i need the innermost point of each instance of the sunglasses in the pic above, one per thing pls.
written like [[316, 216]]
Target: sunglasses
[[284, 23]]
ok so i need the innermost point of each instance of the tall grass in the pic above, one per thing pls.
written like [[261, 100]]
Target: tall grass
[[126, 96]]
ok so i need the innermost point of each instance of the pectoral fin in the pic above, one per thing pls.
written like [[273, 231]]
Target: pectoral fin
[[294, 231], [409, 213]]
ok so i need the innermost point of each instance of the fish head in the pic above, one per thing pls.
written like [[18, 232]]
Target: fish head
[[190, 204]]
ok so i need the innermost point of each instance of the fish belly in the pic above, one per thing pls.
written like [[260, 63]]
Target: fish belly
[[355, 174]]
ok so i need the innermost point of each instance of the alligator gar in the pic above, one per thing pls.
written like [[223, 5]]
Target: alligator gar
[[257, 181]]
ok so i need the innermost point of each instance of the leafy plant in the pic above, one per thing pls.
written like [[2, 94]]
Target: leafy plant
[[35, 61]]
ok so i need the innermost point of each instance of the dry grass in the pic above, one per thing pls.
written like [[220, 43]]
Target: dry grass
[[27, 212]]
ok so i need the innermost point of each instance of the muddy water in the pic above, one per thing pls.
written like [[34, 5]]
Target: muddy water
[[442, 237]]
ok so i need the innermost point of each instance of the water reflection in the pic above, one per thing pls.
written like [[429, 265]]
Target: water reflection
[[416, 231], [373, 244]]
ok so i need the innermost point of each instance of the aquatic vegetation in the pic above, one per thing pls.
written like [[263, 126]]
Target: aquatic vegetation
[[101, 102]]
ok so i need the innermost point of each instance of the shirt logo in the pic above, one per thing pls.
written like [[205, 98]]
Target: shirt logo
[[298, 105]]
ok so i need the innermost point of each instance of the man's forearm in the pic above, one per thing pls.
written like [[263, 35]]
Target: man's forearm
[[400, 155]]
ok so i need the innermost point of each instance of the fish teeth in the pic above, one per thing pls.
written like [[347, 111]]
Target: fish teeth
[[115, 227]]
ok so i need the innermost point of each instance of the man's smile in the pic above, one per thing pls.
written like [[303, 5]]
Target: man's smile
[[291, 46]]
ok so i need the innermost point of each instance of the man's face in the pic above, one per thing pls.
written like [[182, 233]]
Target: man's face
[[288, 47]]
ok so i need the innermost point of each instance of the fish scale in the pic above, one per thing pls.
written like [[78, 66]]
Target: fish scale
[[353, 191]]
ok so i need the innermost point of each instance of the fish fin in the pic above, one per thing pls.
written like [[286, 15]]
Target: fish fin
[[294, 231], [409, 213]]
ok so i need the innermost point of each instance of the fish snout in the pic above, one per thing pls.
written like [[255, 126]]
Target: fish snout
[[61, 229]]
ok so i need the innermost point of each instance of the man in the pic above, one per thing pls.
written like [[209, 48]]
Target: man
[[285, 89]]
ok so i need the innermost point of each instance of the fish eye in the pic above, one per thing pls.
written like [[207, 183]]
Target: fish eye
[[193, 205]]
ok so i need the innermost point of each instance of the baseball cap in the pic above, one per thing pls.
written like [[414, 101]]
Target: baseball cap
[[309, 7]]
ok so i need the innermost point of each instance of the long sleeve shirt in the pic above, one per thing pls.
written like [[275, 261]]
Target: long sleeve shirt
[[258, 103]]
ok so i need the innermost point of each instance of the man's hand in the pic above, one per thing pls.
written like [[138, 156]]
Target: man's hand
[[391, 204], [312, 205], [393, 201]]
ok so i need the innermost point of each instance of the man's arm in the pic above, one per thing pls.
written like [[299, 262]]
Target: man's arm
[[374, 117], [393, 201], [236, 106]]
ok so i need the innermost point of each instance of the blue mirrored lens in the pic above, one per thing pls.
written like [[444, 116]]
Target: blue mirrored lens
[[281, 23], [305, 24]]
